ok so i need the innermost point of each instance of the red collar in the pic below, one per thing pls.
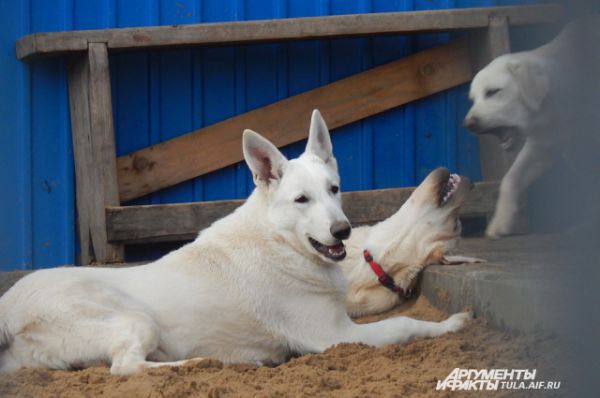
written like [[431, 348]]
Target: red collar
[[384, 278]]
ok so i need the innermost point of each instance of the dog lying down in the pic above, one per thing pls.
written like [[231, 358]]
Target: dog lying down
[[256, 286], [422, 232]]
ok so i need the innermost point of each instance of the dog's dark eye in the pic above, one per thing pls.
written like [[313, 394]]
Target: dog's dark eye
[[491, 92], [301, 199], [335, 189]]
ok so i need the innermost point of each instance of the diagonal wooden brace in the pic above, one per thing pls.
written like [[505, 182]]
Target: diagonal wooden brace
[[284, 122]]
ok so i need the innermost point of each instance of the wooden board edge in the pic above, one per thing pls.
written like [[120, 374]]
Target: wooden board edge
[[54, 43], [183, 221]]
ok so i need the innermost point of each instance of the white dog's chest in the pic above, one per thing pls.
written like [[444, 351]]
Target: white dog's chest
[[235, 314]]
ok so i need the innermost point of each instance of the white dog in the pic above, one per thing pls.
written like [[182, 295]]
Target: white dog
[[384, 260], [256, 286], [549, 94]]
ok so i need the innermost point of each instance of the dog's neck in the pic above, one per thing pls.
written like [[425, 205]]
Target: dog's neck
[[546, 121], [391, 232]]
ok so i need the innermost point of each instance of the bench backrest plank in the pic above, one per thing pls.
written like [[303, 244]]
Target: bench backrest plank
[[183, 221], [55, 43]]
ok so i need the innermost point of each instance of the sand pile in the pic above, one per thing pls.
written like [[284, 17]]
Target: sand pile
[[347, 370]]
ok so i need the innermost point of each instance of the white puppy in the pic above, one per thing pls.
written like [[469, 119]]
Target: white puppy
[[548, 94], [256, 286], [422, 232]]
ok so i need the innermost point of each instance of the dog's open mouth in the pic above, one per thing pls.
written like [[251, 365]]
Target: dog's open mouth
[[506, 135], [507, 139], [335, 252], [449, 188]]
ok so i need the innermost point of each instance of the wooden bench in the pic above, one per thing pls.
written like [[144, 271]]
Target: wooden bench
[[104, 182]]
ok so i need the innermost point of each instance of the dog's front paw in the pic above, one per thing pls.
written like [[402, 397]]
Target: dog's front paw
[[499, 227], [458, 321]]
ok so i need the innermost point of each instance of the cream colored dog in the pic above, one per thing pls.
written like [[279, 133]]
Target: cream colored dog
[[551, 96], [422, 232], [257, 286]]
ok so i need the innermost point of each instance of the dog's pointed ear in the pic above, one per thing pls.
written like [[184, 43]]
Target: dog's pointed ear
[[533, 81], [263, 158], [319, 142]]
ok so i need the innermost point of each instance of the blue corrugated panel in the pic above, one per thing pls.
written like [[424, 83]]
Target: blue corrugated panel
[[15, 141], [53, 214], [160, 95], [396, 146]]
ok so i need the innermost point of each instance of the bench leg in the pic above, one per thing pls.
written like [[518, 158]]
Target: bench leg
[[94, 152]]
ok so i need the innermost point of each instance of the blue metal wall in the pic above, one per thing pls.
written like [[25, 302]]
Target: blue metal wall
[[160, 95]]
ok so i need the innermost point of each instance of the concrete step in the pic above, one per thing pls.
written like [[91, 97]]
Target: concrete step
[[517, 288]]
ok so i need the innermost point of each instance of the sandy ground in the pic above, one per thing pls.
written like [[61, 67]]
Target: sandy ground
[[347, 370]]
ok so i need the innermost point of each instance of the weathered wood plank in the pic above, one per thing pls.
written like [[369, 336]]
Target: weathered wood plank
[[78, 76], [153, 223], [498, 36], [342, 102], [90, 206], [490, 42], [367, 207], [104, 150], [44, 44]]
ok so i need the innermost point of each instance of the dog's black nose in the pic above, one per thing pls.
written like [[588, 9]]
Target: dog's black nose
[[472, 123], [340, 230]]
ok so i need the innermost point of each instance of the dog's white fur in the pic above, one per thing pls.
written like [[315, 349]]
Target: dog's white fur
[[251, 288], [423, 232], [537, 93]]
